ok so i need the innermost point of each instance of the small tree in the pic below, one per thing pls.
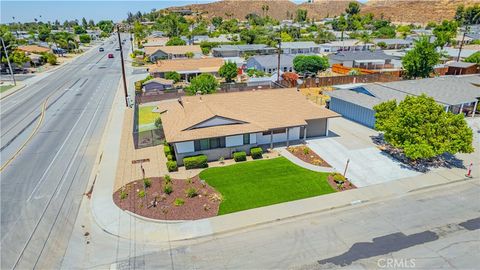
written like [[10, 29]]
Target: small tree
[[175, 41], [204, 83], [189, 54], [172, 75], [310, 63], [474, 58], [84, 38], [422, 129], [228, 71], [420, 61], [50, 58]]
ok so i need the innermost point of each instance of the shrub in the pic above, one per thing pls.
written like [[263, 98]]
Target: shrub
[[123, 195], [338, 178], [240, 156], [141, 193], [168, 189], [195, 162], [256, 152], [191, 192], [147, 182], [167, 150], [168, 179], [169, 157], [179, 202], [306, 151], [158, 123], [172, 165]]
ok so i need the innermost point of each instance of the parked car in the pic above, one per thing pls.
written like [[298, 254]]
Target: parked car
[[117, 49], [101, 49], [110, 55]]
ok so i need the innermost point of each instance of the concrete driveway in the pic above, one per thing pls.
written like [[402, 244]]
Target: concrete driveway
[[368, 165]]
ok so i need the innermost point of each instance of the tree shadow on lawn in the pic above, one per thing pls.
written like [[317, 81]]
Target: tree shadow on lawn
[[446, 160]]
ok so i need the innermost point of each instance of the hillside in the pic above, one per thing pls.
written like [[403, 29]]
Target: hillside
[[415, 11], [400, 11]]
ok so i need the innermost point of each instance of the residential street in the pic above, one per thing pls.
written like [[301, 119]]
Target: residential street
[[43, 185], [437, 227]]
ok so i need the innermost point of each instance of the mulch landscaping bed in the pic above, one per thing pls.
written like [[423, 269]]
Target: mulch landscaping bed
[[306, 154], [346, 184], [204, 205]]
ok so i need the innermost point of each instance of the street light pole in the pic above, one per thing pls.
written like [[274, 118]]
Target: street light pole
[[123, 67], [8, 61]]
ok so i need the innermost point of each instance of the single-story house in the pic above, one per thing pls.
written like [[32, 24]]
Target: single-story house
[[462, 68], [157, 84], [394, 43], [300, 47], [187, 68], [269, 63], [240, 50], [219, 125], [172, 52], [362, 59], [458, 94], [452, 53], [345, 45], [155, 42], [267, 81]]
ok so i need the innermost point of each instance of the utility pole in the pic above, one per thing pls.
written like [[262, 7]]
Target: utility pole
[[461, 44], [8, 61], [123, 66], [278, 62]]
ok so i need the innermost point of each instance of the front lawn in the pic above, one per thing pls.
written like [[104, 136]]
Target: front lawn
[[146, 118], [4, 88], [264, 182]]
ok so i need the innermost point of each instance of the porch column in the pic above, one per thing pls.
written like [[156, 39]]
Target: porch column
[[461, 109], [305, 134], [474, 108], [446, 108], [271, 139], [288, 141]]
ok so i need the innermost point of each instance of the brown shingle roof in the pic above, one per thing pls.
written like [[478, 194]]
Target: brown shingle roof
[[181, 49], [192, 64], [33, 49], [255, 111]]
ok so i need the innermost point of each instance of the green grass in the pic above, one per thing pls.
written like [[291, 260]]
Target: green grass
[[5, 88], [146, 118], [264, 182]]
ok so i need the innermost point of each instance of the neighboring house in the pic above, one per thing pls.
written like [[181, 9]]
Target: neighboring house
[[219, 125], [155, 42], [241, 50], [269, 63], [462, 68], [300, 47], [452, 53], [362, 59], [172, 52], [268, 81], [458, 94], [157, 84], [394, 43], [345, 45], [187, 68]]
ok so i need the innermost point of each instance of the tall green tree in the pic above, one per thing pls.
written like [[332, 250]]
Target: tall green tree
[[445, 32], [84, 23], [301, 15], [175, 41], [421, 60], [106, 26], [228, 71], [173, 75], [310, 63], [422, 129], [140, 32], [204, 83]]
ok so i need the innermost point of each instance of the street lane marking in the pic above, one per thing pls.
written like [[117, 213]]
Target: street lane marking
[[37, 127]]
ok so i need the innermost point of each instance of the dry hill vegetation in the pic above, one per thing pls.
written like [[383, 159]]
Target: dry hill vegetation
[[404, 11]]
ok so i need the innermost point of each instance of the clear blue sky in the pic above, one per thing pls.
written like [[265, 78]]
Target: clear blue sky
[[26, 11]]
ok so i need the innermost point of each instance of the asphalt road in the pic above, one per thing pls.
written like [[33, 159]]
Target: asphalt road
[[437, 228], [41, 189]]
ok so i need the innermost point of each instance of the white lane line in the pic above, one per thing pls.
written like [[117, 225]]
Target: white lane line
[[57, 154]]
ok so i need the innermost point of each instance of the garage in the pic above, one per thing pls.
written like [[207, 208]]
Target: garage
[[315, 128], [354, 112]]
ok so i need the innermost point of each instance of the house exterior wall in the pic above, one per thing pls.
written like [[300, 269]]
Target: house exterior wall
[[294, 134], [215, 154], [317, 127], [362, 115]]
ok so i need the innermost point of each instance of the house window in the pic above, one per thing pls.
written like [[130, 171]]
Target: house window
[[246, 138], [212, 143], [275, 131]]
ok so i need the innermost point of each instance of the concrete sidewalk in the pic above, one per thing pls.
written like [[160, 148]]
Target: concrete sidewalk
[[120, 223]]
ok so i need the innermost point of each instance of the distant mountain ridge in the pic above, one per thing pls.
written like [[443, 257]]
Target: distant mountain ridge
[[401, 11]]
